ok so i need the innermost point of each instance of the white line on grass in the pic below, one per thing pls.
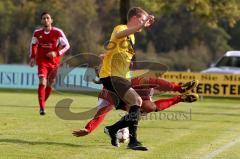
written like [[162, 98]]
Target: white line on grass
[[221, 149]]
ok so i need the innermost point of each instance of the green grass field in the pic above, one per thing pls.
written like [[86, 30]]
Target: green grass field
[[205, 129]]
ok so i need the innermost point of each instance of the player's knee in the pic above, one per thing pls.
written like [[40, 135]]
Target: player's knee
[[43, 81], [148, 106], [50, 83], [139, 101]]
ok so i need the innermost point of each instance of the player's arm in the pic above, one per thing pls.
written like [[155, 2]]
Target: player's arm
[[62, 47], [95, 122], [98, 118], [97, 69], [33, 50], [104, 106], [131, 30]]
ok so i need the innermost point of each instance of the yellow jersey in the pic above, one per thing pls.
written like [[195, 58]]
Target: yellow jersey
[[119, 53]]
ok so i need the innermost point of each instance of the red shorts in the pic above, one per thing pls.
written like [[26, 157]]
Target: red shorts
[[47, 72]]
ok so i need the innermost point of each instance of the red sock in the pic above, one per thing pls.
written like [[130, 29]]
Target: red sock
[[159, 84], [41, 95], [163, 85], [176, 87], [48, 91], [166, 103]]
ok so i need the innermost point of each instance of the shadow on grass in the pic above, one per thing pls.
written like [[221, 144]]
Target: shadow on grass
[[18, 141], [48, 106], [216, 121], [63, 93], [223, 107], [163, 127], [220, 114]]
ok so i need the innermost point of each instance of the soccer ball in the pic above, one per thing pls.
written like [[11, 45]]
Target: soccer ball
[[123, 135]]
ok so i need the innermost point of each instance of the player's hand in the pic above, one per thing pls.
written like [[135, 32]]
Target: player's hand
[[149, 21], [101, 56], [97, 81], [51, 54], [146, 22], [81, 132], [31, 62]]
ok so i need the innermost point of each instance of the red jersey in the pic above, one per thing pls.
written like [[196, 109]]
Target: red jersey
[[44, 42]]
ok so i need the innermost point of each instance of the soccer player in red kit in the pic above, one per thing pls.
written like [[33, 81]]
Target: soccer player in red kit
[[47, 46], [144, 87]]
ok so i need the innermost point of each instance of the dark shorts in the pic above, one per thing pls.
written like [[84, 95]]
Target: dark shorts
[[118, 86]]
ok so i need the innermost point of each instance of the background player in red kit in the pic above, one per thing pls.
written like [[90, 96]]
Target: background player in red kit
[[47, 46]]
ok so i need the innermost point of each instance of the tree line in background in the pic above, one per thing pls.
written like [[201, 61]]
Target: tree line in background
[[188, 34]]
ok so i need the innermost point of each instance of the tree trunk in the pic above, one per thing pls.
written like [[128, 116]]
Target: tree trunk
[[124, 7], [6, 50]]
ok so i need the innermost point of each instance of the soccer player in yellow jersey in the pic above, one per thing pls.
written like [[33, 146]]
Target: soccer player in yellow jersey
[[114, 71]]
